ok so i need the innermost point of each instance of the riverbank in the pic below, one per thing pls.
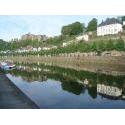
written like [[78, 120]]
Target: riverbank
[[119, 60], [11, 97], [107, 65]]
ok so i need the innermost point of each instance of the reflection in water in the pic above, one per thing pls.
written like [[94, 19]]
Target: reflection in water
[[109, 90], [82, 83], [72, 87], [92, 91]]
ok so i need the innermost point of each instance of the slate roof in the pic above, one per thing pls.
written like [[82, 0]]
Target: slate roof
[[109, 21]]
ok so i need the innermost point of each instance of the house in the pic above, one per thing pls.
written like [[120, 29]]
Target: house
[[110, 26], [29, 48], [84, 37], [39, 48], [45, 48], [67, 43], [34, 49]]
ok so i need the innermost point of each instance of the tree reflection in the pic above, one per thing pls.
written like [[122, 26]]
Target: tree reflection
[[92, 91], [72, 80], [72, 87]]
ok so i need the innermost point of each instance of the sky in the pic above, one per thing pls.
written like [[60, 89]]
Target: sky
[[15, 26]]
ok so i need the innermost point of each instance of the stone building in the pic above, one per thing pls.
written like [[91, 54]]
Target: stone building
[[34, 37]]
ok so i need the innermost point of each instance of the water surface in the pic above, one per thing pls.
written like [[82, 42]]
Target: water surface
[[58, 87]]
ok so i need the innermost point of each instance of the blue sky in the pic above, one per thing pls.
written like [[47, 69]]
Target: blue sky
[[15, 26]]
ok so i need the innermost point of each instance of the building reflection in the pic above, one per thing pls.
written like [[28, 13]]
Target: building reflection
[[111, 91]]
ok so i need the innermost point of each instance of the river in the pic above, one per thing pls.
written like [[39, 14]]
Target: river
[[52, 86]]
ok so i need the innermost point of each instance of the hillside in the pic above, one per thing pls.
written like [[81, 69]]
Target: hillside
[[65, 44]]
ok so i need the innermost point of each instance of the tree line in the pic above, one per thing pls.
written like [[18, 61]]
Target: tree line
[[77, 28]]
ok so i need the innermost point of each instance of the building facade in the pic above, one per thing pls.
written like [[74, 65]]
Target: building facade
[[110, 26]]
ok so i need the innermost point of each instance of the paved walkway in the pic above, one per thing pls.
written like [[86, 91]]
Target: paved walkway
[[11, 97]]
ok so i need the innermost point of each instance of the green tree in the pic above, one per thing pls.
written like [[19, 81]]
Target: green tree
[[101, 46], [122, 18], [120, 45], [123, 27], [94, 46], [110, 45], [92, 25], [73, 29]]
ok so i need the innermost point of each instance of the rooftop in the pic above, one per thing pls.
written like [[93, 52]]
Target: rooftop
[[110, 21]]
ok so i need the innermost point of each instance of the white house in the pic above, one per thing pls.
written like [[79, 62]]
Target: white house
[[46, 48], [39, 48], [35, 49], [84, 37], [110, 26], [65, 44]]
